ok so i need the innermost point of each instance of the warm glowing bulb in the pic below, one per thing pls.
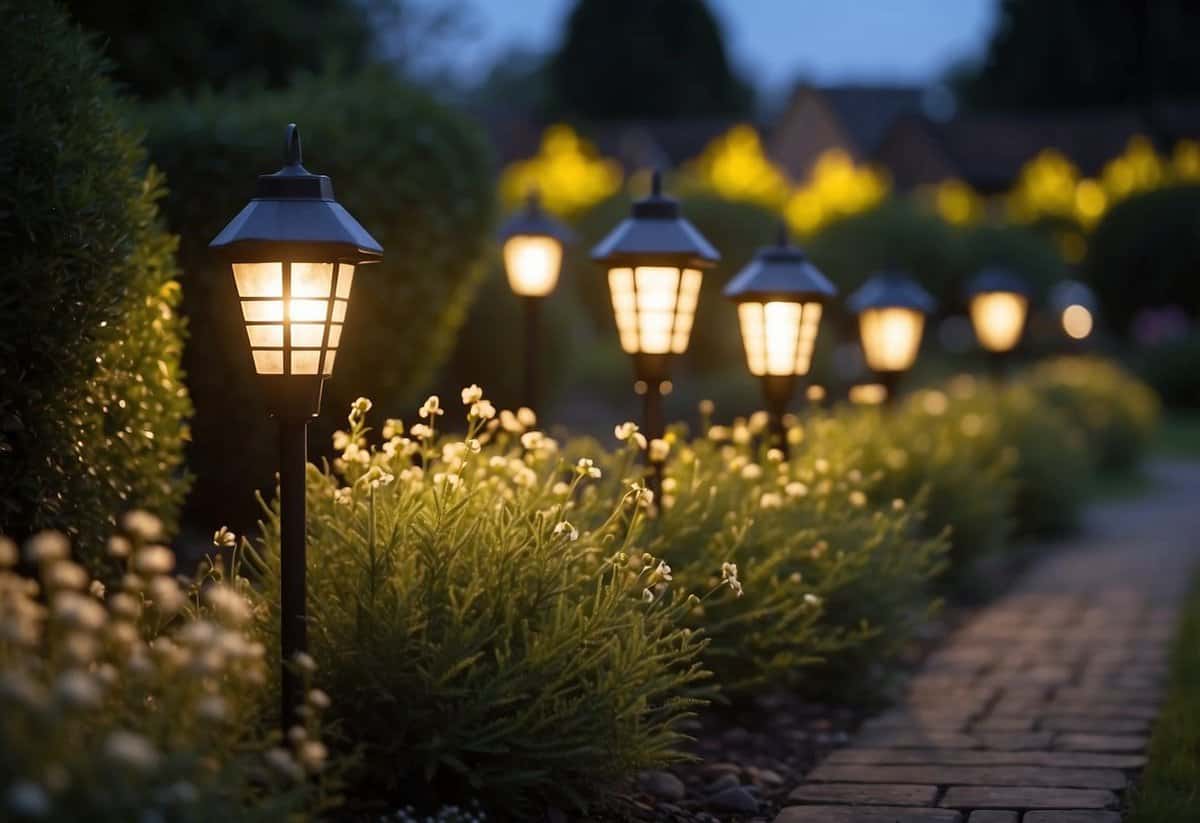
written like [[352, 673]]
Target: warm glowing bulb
[[868, 394], [299, 335], [779, 336], [998, 318], [1077, 321], [532, 263], [891, 337], [654, 307]]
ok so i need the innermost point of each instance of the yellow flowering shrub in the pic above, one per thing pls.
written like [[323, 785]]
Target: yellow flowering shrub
[[143, 701]]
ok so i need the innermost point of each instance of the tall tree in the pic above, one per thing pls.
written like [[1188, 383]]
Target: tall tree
[[1076, 53], [625, 59]]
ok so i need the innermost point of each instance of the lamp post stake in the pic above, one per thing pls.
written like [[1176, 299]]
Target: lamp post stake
[[293, 459], [531, 391]]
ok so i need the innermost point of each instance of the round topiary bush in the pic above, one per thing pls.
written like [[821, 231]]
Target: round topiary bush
[[415, 174], [92, 404]]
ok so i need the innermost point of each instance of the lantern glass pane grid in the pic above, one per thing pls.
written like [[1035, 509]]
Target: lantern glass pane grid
[[891, 337], [998, 318], [779, 336], [655, 307], [302, 340], [532, 264]]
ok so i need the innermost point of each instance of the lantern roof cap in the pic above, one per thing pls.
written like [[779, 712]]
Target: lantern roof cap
[[891, 289], [1072, 292], [533, 220], [295, 209], [998, 278], [656, 232], [780, 272]]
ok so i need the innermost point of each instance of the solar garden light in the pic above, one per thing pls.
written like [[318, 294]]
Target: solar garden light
[[654, 259], [1076, 306], [780, 296], [532, 247], [999, 305], [293, 250], [891, 309]]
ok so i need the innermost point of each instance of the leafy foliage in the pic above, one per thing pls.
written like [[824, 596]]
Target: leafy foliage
[[92, 404], [480, 643], [141, 702], [415, 175], [1169, 367]]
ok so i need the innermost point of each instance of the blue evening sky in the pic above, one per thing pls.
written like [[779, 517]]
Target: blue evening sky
[[776, 41]]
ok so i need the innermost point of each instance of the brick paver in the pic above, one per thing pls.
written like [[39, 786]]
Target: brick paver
[[1039, 708]]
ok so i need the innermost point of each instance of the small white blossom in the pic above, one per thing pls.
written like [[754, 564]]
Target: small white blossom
[[391, 427], [343, 496], [142, 524], [432, 407], [304, 662], [526, 417], [224, 537], [565, 528], [154, 560], [752, 471], [858, 499], [658, 451], [47, 547], [812, 600], [421, 431], [340, 440], [133, 750], [483, 410], [627, 432], [318, 698], [796, 489], [471, 395], [647, 596], [770, 500], [663, 571], [586, 467], [8, 553]]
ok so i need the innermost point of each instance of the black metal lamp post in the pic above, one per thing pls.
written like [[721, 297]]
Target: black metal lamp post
[[780, 296], [891, 309], [654, 259], [293, 250], [532, 245], [999, 305]]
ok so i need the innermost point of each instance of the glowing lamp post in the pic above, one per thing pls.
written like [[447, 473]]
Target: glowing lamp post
[[293, 250], [891, 309], [1075, 304], [532, 246], [999, 304], [654, 260], [780, 296]]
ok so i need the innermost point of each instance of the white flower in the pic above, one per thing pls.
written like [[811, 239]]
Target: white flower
[[735, 586], [647, 596], [729, 571], [642, 495], [770, 500], [663, 571], [166, 595], [774, 456], [77, 689], [8, 553], [707, 407], [565, 528], [212, 708], [391, 427], [304, 662], [752, 471], [27, 799], [282, 761], [858, 499], [627, 432], [819, 549], [340, 440], [224, 537], [758, 421], [66, 575], [449, 479], [142, 524], [119, 547], [718, 433], [659, 449], [227, 604], [78, 611], [312, 755], [133, 750], [587, 467], [526, 417], [376, 477], [362, 405], [483, 410], [474, 446], [96, 589], [432, 407], [897, 505], [532, 440], [154, 560], [47, 546], [318, 698], [796, 489], [421, 431], [471, 395], [561, 489], [812, 600], [343, 496], [510, 423], [821, 465]]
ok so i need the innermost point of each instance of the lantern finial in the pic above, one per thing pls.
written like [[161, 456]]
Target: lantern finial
[[291, 146]]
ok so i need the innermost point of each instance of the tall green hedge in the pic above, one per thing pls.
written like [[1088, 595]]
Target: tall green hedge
[[417, 175], [92, 404]]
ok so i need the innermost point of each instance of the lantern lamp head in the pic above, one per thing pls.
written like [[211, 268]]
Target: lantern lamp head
[[532, 245], [293, 250], [999, 304], [780, 295], [891, 309], [654, 260]]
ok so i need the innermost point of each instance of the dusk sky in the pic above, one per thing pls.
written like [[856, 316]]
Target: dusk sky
[[776, 41]]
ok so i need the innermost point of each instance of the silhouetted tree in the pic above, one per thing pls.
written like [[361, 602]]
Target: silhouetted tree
[[648, 59], [1076, 53]]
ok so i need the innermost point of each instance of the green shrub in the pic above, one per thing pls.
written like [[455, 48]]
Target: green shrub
[[477, 643], [92, 405], [1117, 412], [1145, 254], [143, 702], [415, 174], [1170, 368]]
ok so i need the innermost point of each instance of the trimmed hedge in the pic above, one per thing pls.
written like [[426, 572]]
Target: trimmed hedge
[[92, 404], [417, 175]]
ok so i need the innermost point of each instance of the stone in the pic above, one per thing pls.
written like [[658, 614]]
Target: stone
[[865, 794], [662, 785], [1102, 742], [877, 814], [736, 799], [725, 781], [1027, 797], [959, 757], [1073, 817], [765, 777], [992, 816], [972, 776]]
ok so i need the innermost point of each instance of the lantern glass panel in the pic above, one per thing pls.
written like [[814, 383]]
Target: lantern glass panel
[[779, 336], [532, 263], [1077, 321], [998, 318], [891, 337], [655, 307], [299, 335]]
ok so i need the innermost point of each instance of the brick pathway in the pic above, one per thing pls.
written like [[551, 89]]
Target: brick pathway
[[1038, 709]]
